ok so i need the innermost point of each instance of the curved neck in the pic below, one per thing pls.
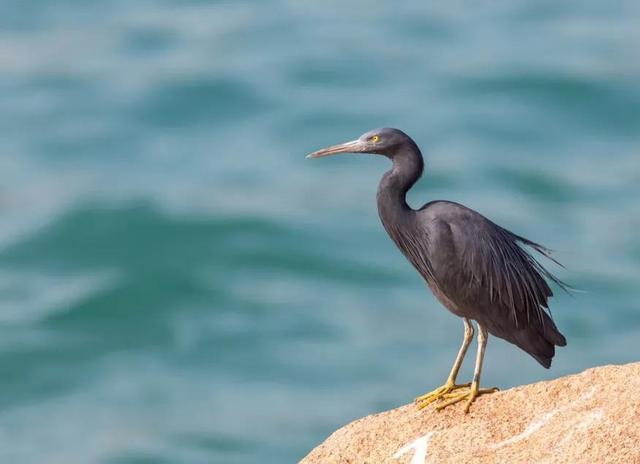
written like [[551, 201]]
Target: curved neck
[[392, 190]]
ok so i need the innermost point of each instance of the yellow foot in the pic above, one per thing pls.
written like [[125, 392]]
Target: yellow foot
[[425, 400], [470, 395]]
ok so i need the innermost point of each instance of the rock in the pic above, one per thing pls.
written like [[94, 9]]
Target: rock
[[592, 417]]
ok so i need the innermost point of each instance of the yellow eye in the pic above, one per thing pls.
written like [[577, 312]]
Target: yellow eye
[[375, 138]]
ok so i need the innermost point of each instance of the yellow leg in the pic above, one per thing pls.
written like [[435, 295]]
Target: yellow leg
[[450, 385], [472, 393]]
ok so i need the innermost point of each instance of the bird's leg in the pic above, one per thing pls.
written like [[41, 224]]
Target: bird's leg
[[450, 385], [474, 391]]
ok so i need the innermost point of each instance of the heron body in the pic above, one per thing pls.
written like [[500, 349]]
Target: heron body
[[478, 270]]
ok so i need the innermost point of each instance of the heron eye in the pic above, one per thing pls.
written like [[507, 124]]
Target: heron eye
[[375, 138]]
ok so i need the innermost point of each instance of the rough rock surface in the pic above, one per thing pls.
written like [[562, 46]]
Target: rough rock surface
[[592, 417]]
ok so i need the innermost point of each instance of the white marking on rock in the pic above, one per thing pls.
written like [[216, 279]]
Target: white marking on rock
[[584, 423], [537, 424], [530, 430], [420, 447]]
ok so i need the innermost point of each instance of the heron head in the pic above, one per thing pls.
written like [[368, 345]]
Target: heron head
[[383, 141]]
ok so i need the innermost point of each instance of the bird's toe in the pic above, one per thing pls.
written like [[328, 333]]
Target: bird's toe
[[469, 395], [425, 400]]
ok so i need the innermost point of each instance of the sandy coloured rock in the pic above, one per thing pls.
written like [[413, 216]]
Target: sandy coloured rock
[[592, 417]]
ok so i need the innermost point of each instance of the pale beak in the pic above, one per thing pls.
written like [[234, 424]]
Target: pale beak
[[355, 146]]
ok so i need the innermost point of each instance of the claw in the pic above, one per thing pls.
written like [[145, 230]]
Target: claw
[[425, 400], [470, 395]]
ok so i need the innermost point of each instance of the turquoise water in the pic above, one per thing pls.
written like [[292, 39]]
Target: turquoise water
[[179, 285]]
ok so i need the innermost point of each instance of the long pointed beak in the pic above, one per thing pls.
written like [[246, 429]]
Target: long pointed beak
[[355, 146]]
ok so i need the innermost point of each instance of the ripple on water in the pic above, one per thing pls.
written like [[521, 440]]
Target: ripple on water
[[168, 268], [601, 104], [196, 101]]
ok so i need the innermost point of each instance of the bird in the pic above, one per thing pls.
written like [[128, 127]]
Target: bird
[[478, 270]]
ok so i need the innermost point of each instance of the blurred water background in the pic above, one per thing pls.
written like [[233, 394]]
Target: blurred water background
[[179, 285]]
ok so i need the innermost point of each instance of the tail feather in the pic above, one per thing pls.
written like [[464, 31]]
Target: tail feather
[[540, 342]]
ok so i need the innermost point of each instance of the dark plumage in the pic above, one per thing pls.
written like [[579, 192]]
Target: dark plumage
[[477, 269]]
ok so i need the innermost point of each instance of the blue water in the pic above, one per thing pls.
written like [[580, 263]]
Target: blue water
[[179, 285]]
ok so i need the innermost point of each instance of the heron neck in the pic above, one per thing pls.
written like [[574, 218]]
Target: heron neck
[[392, 191]]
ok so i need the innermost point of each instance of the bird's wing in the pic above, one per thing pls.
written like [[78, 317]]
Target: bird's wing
[[484, 271], [490, 261]]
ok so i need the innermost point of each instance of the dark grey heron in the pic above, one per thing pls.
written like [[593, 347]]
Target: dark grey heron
[[478, 270]]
